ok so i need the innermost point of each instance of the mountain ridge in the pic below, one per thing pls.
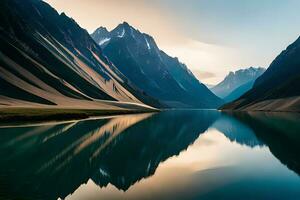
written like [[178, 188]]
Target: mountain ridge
[[236, 79], [163, 77]]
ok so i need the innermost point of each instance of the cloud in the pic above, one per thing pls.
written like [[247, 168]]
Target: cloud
[[202, 75]]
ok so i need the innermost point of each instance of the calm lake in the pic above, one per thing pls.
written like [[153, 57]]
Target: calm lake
[[183, 154]]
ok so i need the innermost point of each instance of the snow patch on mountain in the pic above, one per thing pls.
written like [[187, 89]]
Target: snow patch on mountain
[[122, 34], [148, 45], [104, 41]]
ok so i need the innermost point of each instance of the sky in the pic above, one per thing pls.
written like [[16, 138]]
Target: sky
[[212, 37]]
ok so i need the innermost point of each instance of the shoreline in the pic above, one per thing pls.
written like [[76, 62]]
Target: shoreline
[[16, 115], [258, 111]]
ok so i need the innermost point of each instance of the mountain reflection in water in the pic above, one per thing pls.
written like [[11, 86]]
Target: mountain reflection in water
[[52, 161]]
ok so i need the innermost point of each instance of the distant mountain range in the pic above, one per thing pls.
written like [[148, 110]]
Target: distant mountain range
[[160, 76], [235, 81], [278, 88]]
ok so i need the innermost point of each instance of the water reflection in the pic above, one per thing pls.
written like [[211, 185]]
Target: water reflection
[[177, 152], [139, 150], [279, 131], [237, 131]]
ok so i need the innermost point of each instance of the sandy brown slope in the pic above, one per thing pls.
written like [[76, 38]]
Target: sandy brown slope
[[48, 60], [284, 98], [290, 104]]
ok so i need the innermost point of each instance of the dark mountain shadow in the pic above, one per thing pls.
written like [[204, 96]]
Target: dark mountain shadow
[[279, 131], [53, 160], [237, 131]]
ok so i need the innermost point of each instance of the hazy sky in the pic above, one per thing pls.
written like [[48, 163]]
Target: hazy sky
[[212, 37]]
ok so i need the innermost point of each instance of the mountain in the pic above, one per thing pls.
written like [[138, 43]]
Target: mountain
[[236, 79], [47, 59], [278, 88], [160, 76], [238, 92]]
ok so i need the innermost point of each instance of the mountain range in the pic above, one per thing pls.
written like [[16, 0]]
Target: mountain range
[[234, 80], [48, 60], [157, 74], [278, 88]]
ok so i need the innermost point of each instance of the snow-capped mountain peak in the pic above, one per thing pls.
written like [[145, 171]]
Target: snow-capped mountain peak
[[156, 73], [235, 79]]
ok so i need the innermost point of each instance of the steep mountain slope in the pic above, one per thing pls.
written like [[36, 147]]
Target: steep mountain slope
[[137, 56], [278, 88], [238, 92], [236, 79], [47, 59]]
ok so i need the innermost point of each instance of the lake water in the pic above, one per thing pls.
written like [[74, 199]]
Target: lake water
[[183, 154]]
